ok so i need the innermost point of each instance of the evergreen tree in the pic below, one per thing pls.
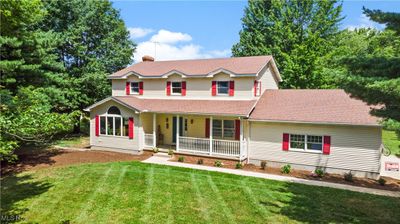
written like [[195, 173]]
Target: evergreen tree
[[296, 33]]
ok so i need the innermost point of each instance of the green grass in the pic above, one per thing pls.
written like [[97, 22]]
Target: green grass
[[391, 141], [134, 192], [73, 141]]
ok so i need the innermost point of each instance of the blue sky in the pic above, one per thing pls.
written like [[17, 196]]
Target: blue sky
[[207, 29]]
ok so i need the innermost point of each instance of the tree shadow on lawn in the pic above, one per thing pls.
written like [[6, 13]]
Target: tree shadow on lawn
[[327, 205], [28, 158], [14, 190]]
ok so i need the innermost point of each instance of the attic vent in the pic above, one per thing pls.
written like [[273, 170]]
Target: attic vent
[[147, 58]]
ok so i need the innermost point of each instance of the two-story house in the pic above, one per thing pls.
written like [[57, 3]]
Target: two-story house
[[233, 108]]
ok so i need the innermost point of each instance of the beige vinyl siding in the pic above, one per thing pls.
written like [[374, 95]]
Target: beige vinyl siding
[[116, 142], [196, 88], [267, 78], [352, 147]]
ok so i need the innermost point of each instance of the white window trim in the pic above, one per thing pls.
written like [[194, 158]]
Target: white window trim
[[305, 144], [172, 89], [130, 90], [222, 94], [223, 129], [106, 115], [258, 88]]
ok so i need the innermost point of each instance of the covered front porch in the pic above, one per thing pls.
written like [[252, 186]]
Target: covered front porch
[[215, 136]]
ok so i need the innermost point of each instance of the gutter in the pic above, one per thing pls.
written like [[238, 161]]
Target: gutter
[[317, 123]]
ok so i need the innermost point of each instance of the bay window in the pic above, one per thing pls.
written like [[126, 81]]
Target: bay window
[[113, 123]]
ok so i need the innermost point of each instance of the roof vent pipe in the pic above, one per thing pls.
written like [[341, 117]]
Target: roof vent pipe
[[147, 58]]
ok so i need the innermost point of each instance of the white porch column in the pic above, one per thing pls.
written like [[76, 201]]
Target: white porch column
[[177, 132], [211, 135], [241, 139], [154, 130]]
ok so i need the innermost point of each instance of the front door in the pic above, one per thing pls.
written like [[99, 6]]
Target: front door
[[174, 128]]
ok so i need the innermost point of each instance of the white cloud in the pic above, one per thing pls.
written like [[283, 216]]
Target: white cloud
[[138, 32], [165, 36], [168, 45], [365, 22]]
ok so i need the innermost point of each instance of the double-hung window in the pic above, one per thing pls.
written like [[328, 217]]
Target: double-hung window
[[311, 143], [222, 87], [113, 124], [176, 88], [135, 88], [224, 129]]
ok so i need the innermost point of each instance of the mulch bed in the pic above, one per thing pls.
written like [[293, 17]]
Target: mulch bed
[[62, 157], [391, 184]]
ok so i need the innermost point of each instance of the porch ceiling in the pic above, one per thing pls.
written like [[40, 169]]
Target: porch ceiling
[[206, 107]]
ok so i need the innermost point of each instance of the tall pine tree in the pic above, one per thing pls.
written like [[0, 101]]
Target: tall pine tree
[[297, 33]]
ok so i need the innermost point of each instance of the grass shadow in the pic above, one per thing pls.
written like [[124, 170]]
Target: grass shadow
[[14, 190], [327, 205]]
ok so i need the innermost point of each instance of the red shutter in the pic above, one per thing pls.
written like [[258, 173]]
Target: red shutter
[[131, 126], [231, 88], [128, 88], [207, 127], [214, 88], [285, 142], [237, 129], [97, 129], [255, 87], [327, 145], [183, 88], [140, 88], [168, 88]]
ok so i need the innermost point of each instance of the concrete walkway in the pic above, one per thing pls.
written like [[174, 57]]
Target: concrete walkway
[[163, 160]]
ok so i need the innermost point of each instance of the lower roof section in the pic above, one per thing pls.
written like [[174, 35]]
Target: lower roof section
[[292, 106], [192, 106], [312, 106]]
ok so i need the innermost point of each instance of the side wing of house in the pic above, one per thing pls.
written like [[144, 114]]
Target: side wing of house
[[352, 148]]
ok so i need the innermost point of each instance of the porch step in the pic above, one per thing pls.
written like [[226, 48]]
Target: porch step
[[161, 154]]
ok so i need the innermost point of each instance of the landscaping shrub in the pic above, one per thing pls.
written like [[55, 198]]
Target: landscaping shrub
[[155, 149], [181, 159], [348, 177], [200, 161], [286, 169], [171, 152], [263, 164], [218, 163], [382, 181], [319, 172], [239, 165]]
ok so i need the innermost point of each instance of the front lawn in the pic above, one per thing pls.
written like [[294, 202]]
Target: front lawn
[[126, 192], [391, 141]]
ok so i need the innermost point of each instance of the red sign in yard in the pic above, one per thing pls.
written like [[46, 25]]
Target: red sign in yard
[[391, 166]]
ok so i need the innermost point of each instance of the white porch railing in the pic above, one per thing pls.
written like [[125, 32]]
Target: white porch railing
[[148, 140], [230, 148], [201, 145], [226, 147]]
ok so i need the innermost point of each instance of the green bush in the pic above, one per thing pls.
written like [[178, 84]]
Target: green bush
[[239, 165], [171, 152], [218, 163], [348, 177], [286, 169], [200, 161], [382, 181], [181, 159], [319, 172], [263, 164]]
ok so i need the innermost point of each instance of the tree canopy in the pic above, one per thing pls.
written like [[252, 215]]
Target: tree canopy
[[297, 33], [55, 57]]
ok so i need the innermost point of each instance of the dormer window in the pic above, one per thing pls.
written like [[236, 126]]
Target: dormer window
[[135, 88], [222, 87], [176, 88]]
